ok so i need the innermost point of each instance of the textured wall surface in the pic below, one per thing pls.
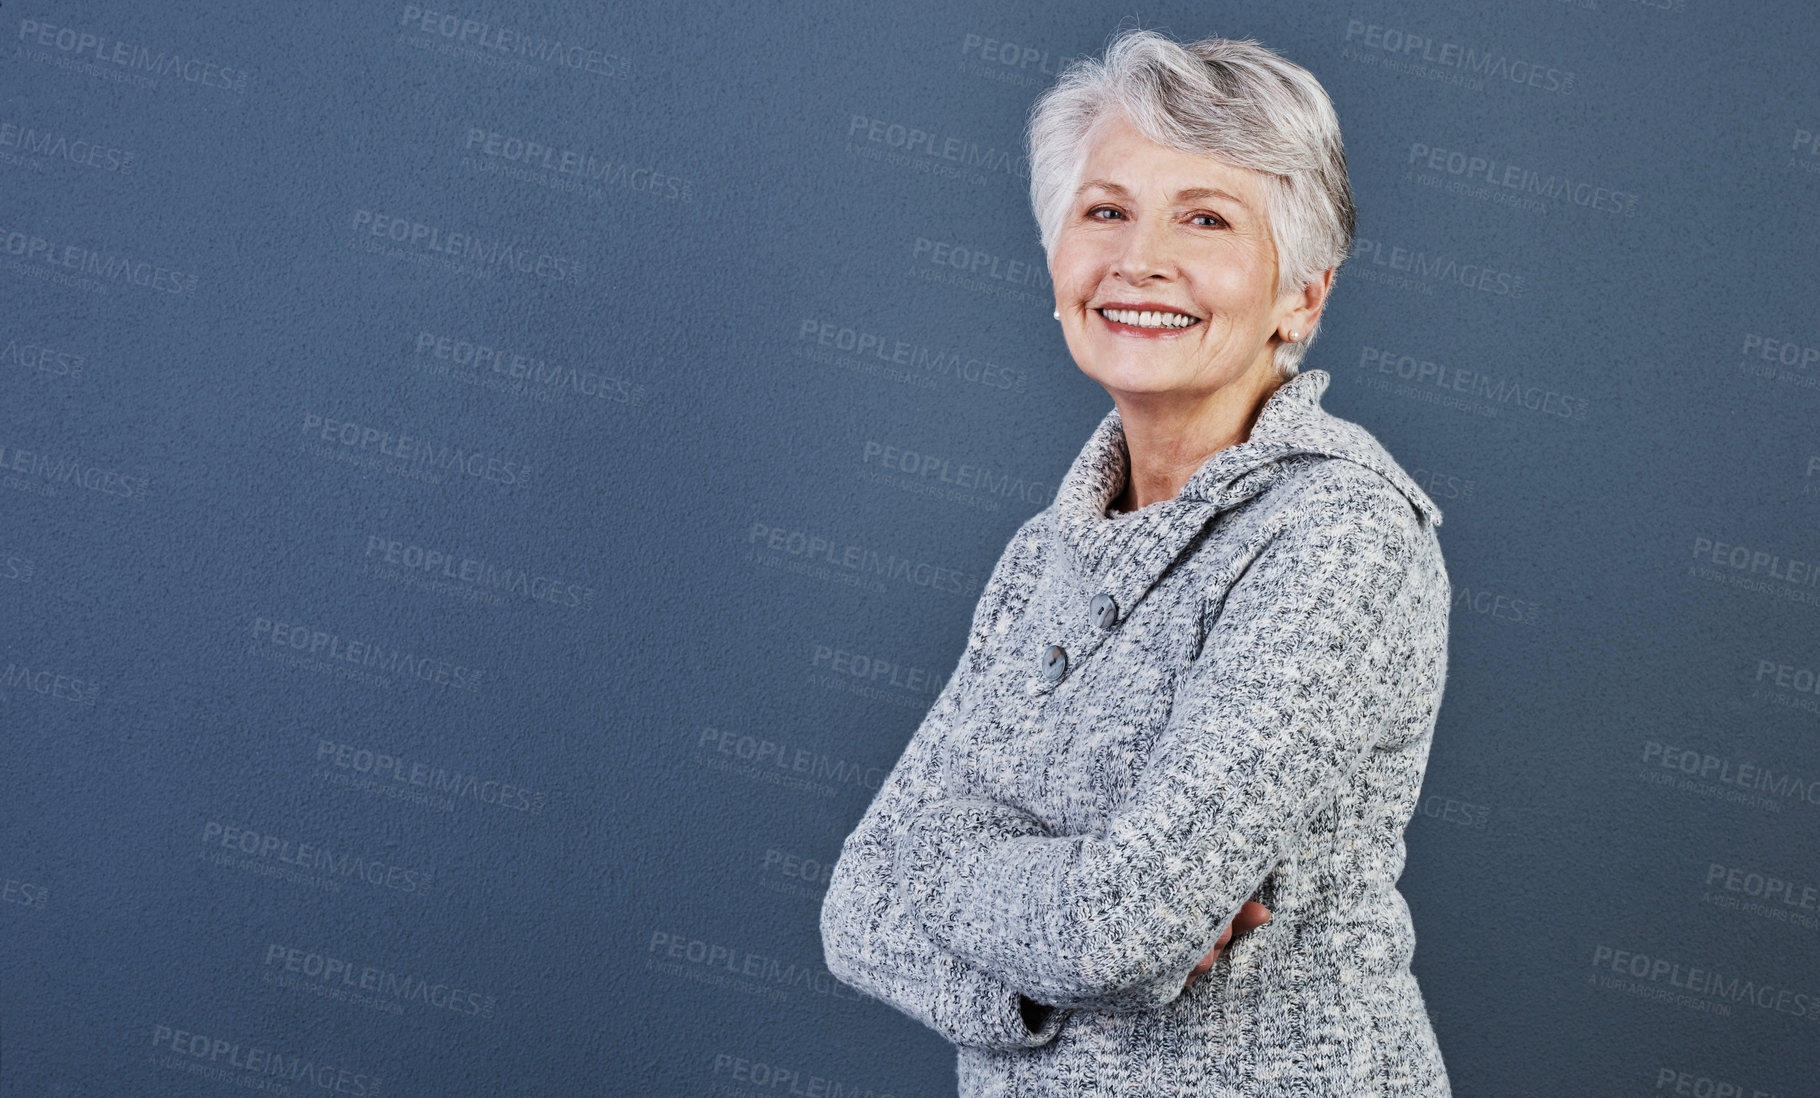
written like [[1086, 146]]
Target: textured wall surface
[[486, 493]]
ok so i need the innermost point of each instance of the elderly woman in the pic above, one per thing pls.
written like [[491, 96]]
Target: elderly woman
[[1146, 841]]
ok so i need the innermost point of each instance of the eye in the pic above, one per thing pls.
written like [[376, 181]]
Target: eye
[[1095, 211], [1218, 221]]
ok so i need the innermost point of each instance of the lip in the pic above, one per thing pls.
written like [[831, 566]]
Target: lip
[[1143, 306]]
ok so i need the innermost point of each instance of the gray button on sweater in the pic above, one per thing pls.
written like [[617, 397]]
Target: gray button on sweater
[[1059, 847]]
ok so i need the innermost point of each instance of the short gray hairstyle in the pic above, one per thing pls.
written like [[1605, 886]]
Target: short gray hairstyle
[[1230, 99]]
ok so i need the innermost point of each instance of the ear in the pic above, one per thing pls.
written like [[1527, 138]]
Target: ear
[[1300, 309]]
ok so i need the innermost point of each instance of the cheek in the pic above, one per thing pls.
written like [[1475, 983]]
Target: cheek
[[1074, 272], [1238, 288]]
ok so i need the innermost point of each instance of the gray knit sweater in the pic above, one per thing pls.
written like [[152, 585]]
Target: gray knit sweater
[[1222, 696]]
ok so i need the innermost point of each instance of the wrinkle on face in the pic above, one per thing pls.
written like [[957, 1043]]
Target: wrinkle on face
[[1154, 224]]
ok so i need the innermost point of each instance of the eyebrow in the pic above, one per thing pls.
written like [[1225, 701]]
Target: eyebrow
[[1186, 194]]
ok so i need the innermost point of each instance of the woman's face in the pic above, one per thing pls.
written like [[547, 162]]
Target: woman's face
[[1152, 228]]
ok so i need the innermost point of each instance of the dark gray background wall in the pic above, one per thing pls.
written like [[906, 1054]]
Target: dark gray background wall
[[488, 491]]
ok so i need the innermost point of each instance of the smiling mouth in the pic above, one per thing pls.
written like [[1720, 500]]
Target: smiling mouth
[[1159, 320]]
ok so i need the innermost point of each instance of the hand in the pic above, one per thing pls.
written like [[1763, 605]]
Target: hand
[[1251, 916]]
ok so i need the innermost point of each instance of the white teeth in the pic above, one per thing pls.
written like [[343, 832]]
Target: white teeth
[[1148, 319]]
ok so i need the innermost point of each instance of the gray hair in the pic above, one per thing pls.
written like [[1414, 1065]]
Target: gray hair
[[1230, 99]]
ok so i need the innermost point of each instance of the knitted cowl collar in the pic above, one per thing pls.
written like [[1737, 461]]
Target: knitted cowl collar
[[1123, 557]]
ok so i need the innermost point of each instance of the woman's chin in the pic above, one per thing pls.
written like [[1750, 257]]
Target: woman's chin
[[1144, 378]]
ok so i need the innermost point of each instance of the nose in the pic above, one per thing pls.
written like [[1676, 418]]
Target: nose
[[1149, 250]]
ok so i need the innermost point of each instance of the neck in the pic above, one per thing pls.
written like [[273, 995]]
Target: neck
[[1169, 436]]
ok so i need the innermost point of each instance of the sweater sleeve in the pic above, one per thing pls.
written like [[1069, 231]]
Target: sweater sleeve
[[869, 937], [1292, 687]]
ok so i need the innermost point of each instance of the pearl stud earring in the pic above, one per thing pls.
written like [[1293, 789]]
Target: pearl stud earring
[[1058, 314], [1294, 336]]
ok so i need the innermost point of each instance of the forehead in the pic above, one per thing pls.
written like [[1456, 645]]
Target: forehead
[[1120, 160]]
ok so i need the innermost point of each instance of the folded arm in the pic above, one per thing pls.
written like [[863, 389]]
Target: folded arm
[[1292, 687], [869, 937]]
